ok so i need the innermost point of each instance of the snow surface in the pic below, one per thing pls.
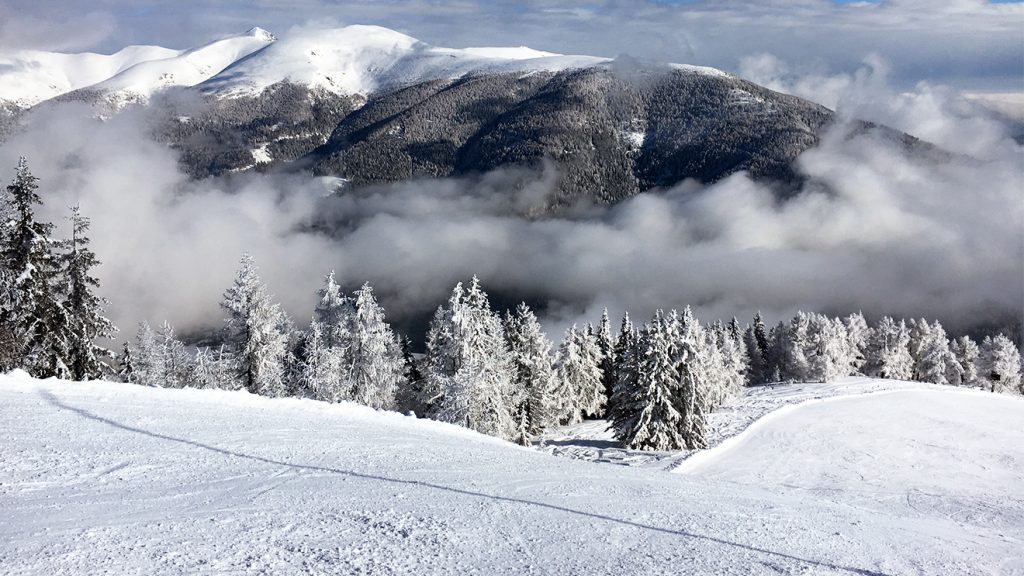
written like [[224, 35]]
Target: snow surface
[[363, 59], [353, 60], [116, 478]]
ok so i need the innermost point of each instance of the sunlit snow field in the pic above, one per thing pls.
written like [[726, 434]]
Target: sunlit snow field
[[121, 479]]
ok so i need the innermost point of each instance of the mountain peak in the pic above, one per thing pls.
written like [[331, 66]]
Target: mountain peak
[[260, 33]]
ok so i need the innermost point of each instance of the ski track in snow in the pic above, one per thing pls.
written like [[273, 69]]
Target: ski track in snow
[[116, 478]]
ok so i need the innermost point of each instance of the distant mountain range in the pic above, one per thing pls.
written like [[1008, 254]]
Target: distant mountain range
[[370, 105]]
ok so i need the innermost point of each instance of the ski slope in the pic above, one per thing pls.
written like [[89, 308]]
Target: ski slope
[[115, 478]]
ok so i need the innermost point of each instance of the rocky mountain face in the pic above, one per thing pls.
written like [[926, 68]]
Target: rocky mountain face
[[613, 128]]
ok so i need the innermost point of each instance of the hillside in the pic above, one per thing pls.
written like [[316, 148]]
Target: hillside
[[117, 478], [371, 105]]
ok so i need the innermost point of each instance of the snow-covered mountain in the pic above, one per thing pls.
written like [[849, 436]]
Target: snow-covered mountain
[[117, 478], [368, 105]]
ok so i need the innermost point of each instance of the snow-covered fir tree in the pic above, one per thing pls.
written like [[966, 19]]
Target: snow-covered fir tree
[[919, 331], [469, 373], [148, 359], [412, 396], [888, 355], [698, 376], [323, 374], [126, 365], [826, 349], [755, 339], [176, 363], [647, 414], [999, 366], [937, 363], [372, 354], [857, 334], [579, 387], [256, 333], [606, 347], [85, 309], [34, 322], [626, 354], [967, 353], [531, 359]]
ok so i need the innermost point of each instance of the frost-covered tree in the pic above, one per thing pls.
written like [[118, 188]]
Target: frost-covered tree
[[937, 363], [126, 365], [88, 325], [920, 334], [255, 333], [648, 415], [626, 353], [967, 354], [826, 349], [411, 396], [757, 344], [372, 354], [213, 370], [579, 386], [734, 357], [469, 372], [33, 320], [999, 366], [888, 355], [533, 374], [857, 334], [606, 346], [176, 363], [322, 373]]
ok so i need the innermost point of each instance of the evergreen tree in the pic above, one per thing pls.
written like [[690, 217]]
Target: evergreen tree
[[323, 375], [412, 396], [698, 376], [148, 359], [87, 322], [826, 349], [607, 350], [469, 373], [938, 364], [756, 372], [373, 354], [534, 374], [920, 335], [647, 416], [967, 354], [34, 322], [126, 365], [888, 355], [579, 388], [999, 367], [625, 370], [256, 333], [857, 334]]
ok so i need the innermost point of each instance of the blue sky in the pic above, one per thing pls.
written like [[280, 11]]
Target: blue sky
[[970, 44]]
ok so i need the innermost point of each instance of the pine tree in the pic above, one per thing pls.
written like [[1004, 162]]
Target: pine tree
[[412, 395], [606, 348], [35, 324], [826, 349], [323, 374], [888, 355], [534, 374], [212, 370], [967, 353], [938, 364], [647, 415], [579, 388], [256, 333], [999, 366], [857, 334], [469, 373], [698, 376], [148, 359], [373, 354], [756, 371], [87, 322], [920, 334], [625, 370], [126, 365]]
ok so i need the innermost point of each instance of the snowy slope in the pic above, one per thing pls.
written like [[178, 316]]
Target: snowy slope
[[188, 68], [30, 77], [363, 59], [113, 478]]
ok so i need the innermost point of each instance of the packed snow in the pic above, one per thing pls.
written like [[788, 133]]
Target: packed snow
[[117, 478]]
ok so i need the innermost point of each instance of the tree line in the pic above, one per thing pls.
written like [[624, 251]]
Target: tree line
[[496, 373]]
